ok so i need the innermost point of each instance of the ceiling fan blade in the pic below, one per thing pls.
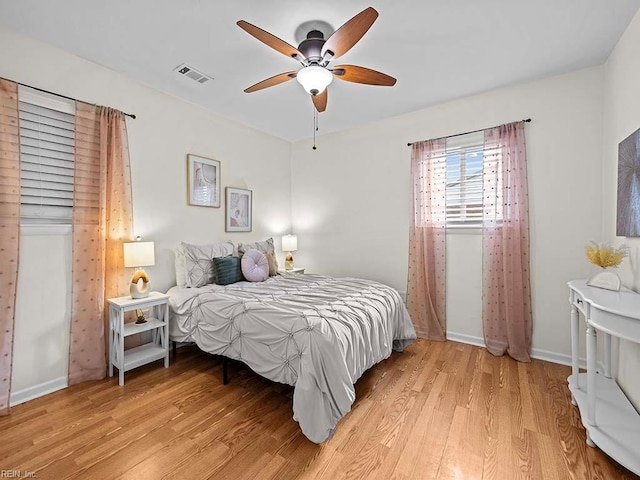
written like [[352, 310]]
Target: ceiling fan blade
[[271, 81], [356, 74], [341, 41], [320, 101], [270, 40]]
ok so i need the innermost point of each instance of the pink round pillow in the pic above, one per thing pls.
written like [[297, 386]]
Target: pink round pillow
[[255, 266]]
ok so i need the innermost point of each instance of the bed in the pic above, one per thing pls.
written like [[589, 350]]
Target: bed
[[316, 333]]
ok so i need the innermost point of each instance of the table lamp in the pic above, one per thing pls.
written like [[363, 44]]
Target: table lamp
[[138, 255], [289, 244]]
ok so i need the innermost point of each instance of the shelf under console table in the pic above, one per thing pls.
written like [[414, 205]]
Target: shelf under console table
[[607, 414]]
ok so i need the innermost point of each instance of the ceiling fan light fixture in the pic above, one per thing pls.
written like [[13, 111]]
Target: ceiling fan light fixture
[[314, 79]]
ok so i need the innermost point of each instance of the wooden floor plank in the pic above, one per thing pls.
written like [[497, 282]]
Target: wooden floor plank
[[400, 443], [438, 410], [464, 448], [163, 460], [551, 462], [204, 464]]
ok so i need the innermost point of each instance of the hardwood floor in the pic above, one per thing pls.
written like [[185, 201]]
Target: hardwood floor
[[438, 410]]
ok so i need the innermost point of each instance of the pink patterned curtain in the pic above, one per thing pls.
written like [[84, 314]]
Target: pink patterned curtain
[[9, 230], [426, 283], [102, 221], [506, 310]]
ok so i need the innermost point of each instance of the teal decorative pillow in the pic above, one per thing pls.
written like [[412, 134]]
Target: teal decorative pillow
[[227, 270]]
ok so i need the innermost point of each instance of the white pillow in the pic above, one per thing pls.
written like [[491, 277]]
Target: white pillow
[[181, 271], [198, 262]]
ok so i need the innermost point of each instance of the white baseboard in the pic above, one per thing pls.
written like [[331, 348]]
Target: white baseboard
[[36, 391], [462, 338], [540, 354], [554, 357]]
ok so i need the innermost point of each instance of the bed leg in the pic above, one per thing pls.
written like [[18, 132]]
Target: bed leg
[[225, 370], [174, 348]]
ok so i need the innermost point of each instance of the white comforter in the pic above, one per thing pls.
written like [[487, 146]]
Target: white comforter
[[316, 333]]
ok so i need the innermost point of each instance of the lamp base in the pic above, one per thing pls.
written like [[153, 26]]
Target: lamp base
[[288, 261], [139, 287]]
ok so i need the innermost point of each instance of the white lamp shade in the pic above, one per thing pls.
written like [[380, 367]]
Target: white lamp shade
[[314, 79], [139, 254], [289, 243]]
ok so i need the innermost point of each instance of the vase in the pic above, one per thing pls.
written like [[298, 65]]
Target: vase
[[607, 279]]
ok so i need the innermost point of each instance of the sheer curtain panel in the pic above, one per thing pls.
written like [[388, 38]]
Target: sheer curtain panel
[[506, 310], [427, 239], [9, 230], [102, 221]]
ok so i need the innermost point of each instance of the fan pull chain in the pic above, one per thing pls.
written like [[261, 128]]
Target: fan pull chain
[[315, 126]]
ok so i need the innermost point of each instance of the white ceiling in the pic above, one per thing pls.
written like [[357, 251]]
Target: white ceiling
[[437, 49]]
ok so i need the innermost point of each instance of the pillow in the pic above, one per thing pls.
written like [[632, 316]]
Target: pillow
[[255, 266], [265, 247], [227, 270], [273, 266], [198, 262], [181, 272]]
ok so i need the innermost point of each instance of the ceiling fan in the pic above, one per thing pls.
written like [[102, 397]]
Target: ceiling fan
[[315, 53]]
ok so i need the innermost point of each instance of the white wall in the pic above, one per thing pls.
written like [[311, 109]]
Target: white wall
[[464, 284], [351, 197], [166, 129], [41, 339], [622, 118]]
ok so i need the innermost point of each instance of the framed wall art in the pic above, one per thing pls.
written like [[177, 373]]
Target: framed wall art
[[628, 211], [238, 210], [203, 177]]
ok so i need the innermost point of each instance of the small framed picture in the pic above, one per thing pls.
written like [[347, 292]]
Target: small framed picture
[[203, 177], [238, 210]]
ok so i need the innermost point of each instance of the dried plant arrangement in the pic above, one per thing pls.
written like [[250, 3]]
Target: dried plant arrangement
[[604, 255]]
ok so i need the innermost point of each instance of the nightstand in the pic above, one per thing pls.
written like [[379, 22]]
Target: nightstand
[[157, 323], [293, 270]]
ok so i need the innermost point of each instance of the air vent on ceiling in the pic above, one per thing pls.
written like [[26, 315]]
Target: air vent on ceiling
[[192, 73]]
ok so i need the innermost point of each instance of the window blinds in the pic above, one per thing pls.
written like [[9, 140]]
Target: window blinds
[[464, 166], [46, 159]]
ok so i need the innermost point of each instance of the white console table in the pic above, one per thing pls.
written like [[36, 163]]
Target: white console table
[[609, 418]]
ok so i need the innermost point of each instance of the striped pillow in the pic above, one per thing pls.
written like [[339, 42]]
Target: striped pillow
[[227, 270]]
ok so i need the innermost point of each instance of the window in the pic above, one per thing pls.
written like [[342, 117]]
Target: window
[[465, 161], [46, 157]]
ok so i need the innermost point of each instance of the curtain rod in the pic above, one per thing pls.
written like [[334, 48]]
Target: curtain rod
[[131, 115], [526, 120]]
